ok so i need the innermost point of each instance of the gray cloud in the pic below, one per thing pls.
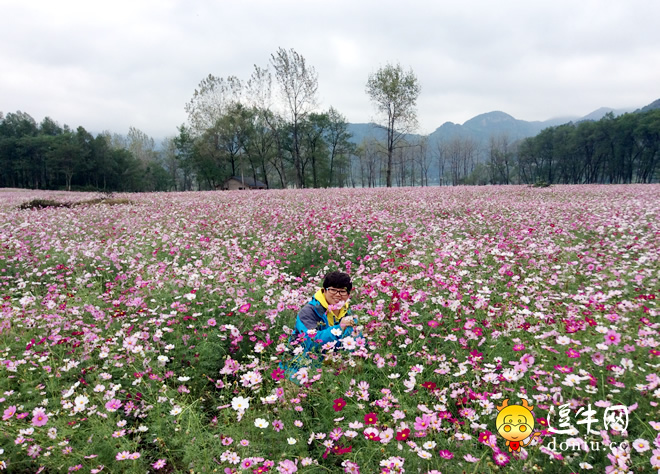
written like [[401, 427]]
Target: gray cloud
[[115, 65]]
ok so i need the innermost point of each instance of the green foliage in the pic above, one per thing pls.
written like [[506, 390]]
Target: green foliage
[[47, 156], [620, 149]]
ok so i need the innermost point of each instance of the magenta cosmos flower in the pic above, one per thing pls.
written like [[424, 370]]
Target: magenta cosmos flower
[[371, 418], [446, 454], [572, 353], [500, 458], [277, 374], [339, 404], [612, 337]]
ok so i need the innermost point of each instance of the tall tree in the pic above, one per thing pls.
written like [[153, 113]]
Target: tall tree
[[213, 96], [313, 132], [141, 145], [185, 153], [337, 137], [298, 86], [500, 158], [395, 93]]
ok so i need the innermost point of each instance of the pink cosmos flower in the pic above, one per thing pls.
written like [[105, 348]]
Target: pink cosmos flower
[[33, 451], [159, 464], [500, 458], [277, 425], [655, 459], [245, 308], [113, 405], [211, 322], [598, 358], [422, 423], [39, 417], [8, 413], [564, 369], [123, 456], [287, 467]]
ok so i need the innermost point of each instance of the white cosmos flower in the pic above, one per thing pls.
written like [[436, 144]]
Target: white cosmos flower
[[291, 441], [424, 454], [336, 332], [240, 403], [175, 411], [563, 340], [80, 402], [260, 423]]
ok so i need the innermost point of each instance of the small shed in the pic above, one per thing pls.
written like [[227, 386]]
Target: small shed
[[236, 182]]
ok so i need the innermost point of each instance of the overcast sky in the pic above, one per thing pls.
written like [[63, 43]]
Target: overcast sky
[[111, 65]]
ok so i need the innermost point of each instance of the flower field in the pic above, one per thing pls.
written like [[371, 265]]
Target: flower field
[[146, 336]]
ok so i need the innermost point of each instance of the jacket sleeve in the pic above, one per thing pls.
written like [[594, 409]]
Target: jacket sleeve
[[308, 319]]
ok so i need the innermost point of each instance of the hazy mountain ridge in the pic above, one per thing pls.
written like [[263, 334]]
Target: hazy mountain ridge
[[652, 106], [483, 126]]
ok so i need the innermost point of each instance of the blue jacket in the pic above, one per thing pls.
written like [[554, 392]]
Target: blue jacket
[[314, 315]]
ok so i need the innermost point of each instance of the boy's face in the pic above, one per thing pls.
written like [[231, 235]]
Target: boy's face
[[335, 295]]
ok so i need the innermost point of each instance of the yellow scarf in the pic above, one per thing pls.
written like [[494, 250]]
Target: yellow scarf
[[331, 318]]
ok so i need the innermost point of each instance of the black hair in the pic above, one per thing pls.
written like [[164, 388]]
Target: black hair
[[337, 280]]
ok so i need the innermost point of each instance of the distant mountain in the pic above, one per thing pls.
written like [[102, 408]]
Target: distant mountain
[[365, 131], [479, 128], [482, 127], [652, 106], [600, 113]]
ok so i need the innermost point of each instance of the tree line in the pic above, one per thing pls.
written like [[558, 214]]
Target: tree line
[[623, 149], [49, 156], [269, 129]]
